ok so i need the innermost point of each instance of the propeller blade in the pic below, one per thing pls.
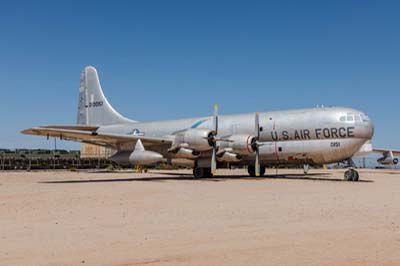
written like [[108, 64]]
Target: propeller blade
[[214, 150], [214, 162], [215, 119], [257, 125], [257, 132], [257, 163]]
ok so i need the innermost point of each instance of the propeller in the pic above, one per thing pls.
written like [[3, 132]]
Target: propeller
[[214, 140], [257, 133], [214, 150]]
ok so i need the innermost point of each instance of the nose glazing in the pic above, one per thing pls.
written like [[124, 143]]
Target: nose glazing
[[369, 126]]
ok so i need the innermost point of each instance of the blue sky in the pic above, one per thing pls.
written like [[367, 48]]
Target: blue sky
[[172, 59]]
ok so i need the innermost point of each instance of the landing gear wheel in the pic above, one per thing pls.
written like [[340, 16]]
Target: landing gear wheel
[[355, 176], [252, 171], [351, 175], [262, 171], [200, 172], [207, 172], [348, 175]]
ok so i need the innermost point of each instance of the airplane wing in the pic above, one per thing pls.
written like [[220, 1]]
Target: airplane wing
[[368, 149], [88, 134], [383, 151], [78, 127]]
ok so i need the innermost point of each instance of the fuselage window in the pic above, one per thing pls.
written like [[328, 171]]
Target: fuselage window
[[342, 119], [357, 118]]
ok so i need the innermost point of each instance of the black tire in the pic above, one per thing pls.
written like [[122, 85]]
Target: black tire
[[348, 175], [251, 170], [207, 172], [351, 175], [355, 176], [200, 172], [262, 171]]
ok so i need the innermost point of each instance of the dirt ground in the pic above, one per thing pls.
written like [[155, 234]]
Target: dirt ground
[[168, 218]]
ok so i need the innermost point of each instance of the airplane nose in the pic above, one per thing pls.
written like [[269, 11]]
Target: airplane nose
[[369, 126], [372, 128]]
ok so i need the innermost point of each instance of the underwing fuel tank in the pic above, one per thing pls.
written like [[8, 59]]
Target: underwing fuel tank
[[140, 156], [145, 157]]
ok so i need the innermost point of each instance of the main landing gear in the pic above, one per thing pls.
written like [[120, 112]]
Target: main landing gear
[[252, 171], [201, 172], [351, 174]]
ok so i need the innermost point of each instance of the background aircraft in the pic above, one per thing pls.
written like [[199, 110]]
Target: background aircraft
[[304, 136], [388, 156]]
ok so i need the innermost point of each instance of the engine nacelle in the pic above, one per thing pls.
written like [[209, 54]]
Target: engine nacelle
[[229, 157], [388, 159], [185, 153], [195, 138], [239, 144]]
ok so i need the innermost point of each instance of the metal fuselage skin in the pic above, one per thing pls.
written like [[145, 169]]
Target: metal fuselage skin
[[304, 136]]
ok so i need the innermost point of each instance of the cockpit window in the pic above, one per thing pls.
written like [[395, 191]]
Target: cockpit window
[[349, 117], [365, 118]]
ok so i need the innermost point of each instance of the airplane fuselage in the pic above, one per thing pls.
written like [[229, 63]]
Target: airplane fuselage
[[312, 136]]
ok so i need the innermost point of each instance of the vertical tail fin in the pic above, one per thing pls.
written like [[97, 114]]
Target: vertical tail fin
[[93, 107]]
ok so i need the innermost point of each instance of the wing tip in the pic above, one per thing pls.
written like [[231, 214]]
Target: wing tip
[[27, 131]]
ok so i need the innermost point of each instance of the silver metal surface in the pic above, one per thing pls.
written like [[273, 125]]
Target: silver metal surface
[[304, 136]]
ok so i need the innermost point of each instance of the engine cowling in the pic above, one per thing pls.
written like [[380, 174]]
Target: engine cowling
[[240, 144], [196, 139], [187, 153], [229, 157]]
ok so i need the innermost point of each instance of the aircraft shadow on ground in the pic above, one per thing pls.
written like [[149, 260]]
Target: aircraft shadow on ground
[[182, 177]]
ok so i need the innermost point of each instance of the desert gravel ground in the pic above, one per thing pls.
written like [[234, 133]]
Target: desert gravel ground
[[168, 218]]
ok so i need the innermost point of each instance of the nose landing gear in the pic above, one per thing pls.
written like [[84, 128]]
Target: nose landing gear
[[351, 174]]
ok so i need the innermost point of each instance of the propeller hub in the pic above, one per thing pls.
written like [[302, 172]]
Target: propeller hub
[[254, 144], [212, 138]]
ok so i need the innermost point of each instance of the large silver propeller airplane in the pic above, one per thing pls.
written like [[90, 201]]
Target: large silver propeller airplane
[[307, 136]]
